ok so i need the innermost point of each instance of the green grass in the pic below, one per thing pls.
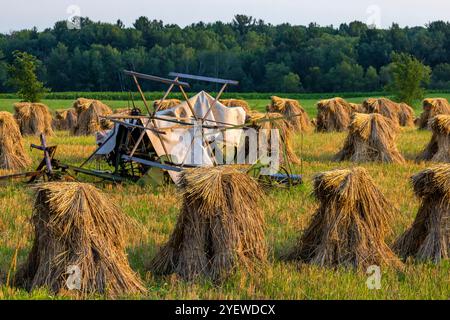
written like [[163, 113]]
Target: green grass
[[152, 95], [287, 212], [176, 94], [259, 104]]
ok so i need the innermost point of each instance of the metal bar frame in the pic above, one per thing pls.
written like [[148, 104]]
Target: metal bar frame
[[181, 85], [152, 163], [149, 77], [203, 120], [202, 78], [157, 79]]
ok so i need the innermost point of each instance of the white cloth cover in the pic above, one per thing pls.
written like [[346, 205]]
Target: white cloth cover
[[185, 143]]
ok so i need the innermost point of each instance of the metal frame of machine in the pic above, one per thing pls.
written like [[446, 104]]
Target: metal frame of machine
[[132, 157]]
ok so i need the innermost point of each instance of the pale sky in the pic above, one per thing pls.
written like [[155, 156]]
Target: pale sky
[[19, 14]]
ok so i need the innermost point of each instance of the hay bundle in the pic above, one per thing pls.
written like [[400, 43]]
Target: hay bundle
[[166, 104], [236, 103], [431, 108], [333, 115], [77, 227], [401, 113], [429, 236], [438, 149], [350, 225], [81, 104], [220, 227], [406, 115], [294, 113], [33, 118], [65, 119], [273, 120], [89, 121], [12, 152], [122, 111], [357, 107], [371, 137]]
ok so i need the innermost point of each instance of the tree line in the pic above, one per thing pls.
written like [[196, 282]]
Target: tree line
[[261, 56]]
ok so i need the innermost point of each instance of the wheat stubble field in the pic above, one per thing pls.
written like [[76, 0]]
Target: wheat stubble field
[[287, 212]]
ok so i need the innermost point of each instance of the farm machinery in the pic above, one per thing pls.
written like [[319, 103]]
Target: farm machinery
[[155, 146]]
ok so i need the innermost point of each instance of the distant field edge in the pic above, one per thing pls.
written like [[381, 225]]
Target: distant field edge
[[227, 95]]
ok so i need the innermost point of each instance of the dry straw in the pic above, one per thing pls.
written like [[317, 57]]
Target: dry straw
[[89, 121], [429, 236], [65, 119], [166, 104], [76, 226], [220, 227], [431, 108], [371, 137], [12, 152], [81, 104], [122, 111], [400, 113], [273, 120], [438, 149], [236, 103], [294, 113], [357, 107], [33, 118], [333, 115], [350, 225]]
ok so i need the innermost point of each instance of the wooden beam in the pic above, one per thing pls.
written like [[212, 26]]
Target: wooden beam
[[152, 163], [142, 94], [166, 94], [215, 101]]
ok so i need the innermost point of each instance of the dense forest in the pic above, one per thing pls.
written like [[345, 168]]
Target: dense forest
[[262, 56]]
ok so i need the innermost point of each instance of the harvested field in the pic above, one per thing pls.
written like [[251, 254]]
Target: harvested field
[[286, 212]]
